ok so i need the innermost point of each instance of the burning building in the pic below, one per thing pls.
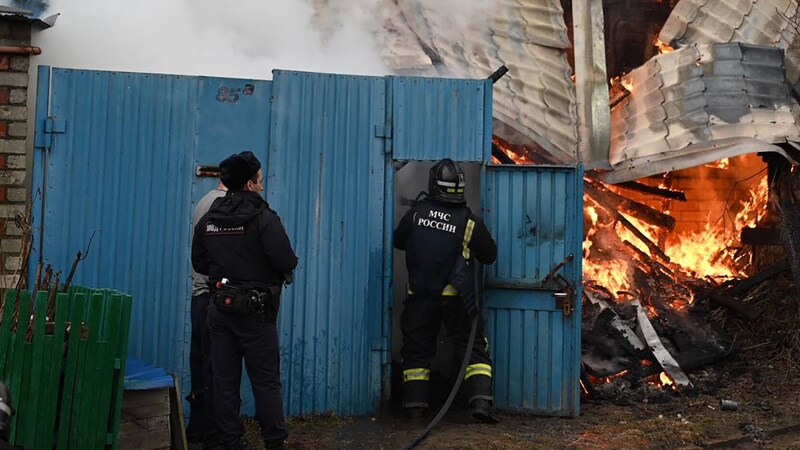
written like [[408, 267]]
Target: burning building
[[685, 115]]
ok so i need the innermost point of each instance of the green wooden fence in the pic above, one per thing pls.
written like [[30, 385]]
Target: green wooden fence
[[65, 372]]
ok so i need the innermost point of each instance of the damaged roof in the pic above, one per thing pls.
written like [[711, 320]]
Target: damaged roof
[[699, 104], [535, 101], [758, 22]]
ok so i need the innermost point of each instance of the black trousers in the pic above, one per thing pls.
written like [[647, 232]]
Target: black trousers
[[420, 324], [235, 337], [201, 413]]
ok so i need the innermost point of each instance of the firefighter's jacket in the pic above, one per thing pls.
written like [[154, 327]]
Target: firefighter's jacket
[[434, 235]]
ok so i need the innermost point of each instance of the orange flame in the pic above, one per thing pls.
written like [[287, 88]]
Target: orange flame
[[707, 253], [723, 163], [517, 158], [662, 47]]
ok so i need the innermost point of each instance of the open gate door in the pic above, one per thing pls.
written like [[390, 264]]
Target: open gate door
[[533, 321]]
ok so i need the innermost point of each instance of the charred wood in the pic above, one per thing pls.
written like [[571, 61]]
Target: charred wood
[[501, 156], [782, 182], [627, 224], [758, 278], [645, 189], [654, 249], [646, 259], [761, 236], [629, 337], [737, 306], [638, 210]]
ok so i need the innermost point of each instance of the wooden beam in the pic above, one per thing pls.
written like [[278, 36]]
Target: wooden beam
[[635, 209], [643, 188]]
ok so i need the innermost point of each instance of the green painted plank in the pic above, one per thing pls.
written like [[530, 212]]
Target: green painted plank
[[17, 365], [88, 434], [121, 359], [73, 352], [33, 383], [5, 330], [78, 395], [90, 377], [45, 428], [111, 323], [56, 358]]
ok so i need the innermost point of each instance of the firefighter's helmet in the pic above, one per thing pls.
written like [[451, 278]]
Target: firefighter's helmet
[[446, 182]]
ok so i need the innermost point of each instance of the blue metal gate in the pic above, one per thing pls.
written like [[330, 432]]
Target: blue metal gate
[[118, 153], [326, 179], [535, 214], [117, 156]]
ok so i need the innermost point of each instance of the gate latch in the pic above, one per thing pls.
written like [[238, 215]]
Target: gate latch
[[565, 298]]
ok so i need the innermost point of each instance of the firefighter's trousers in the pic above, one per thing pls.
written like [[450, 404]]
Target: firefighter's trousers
[[420, 324]]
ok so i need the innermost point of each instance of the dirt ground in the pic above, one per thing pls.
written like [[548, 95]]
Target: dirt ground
[[762, 375], [768, 416], [764, 384]]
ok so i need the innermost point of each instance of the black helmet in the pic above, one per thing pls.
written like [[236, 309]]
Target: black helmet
[[446, 182]]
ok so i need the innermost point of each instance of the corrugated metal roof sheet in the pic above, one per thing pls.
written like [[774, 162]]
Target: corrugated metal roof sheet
[[699, 104], [758, 22], [537, 96]]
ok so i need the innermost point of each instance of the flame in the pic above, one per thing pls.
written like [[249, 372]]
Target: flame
[[723, 163], [622, 81], [665, 379], [517, 158], [627, 84], [662, 47], [707, 253]]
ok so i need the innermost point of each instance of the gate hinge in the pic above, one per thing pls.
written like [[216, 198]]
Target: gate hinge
[[383, 131], [53, 125]]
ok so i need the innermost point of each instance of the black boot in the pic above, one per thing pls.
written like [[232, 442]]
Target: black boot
[[415, 412], [238, 444], [482, 412], [274, 446]]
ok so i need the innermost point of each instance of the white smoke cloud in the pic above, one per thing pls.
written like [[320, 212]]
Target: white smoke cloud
[[246, 38], [458, 17]]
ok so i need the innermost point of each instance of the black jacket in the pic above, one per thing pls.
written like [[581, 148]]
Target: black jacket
[[433, 233], [240, 238]]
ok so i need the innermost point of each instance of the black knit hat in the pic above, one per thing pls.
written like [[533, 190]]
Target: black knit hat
[[236, 170]]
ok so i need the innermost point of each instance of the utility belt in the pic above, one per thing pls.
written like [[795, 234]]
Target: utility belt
[[244, 300]]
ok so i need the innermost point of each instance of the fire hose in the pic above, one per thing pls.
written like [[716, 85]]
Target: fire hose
[[460, 377]]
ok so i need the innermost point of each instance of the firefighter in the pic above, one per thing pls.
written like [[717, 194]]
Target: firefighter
[[440, 235], [241, 245]]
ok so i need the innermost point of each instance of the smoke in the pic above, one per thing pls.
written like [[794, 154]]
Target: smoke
[[246, 38], [457, 17]]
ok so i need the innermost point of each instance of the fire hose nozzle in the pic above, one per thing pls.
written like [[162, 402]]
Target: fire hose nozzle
[[502, 70]]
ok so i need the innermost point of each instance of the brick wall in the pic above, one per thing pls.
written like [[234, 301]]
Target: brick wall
[[710, 191], [13, 131]]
